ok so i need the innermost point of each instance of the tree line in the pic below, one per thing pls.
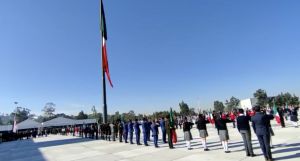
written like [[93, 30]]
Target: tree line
[[280, 100]]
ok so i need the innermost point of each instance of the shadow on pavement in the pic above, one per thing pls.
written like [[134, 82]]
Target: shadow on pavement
[[29, 150], [288, 148]]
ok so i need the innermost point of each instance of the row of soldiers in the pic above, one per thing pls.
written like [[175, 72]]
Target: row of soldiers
[[125, 131]]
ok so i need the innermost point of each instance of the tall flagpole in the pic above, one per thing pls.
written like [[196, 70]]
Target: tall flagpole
[[104, 97], [103, 78]]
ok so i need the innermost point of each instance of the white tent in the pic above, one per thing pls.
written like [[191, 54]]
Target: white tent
[[86, 121], [5, 128], [28, 124], [59, 121]]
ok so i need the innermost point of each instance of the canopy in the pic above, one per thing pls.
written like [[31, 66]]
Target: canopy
[[28, 124]]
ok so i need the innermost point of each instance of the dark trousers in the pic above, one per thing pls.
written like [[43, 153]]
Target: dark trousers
[[246, 135], [137, 138], [131, 137], [282, 121], [125, 135], [148, 135], [145, 134], [170, 141], [233, 124], [164, 135], [120, 137], [155, 139], [264, 141]]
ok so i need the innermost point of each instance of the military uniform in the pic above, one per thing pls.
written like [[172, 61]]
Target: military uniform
[[145, 127], [137, 132], [130, 130], [125, 131]]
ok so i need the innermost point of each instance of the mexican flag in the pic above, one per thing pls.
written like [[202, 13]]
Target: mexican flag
[[210, 118], [104, 51], [277, 118]]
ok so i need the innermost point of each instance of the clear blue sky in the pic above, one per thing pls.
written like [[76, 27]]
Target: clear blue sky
[[160, 52]]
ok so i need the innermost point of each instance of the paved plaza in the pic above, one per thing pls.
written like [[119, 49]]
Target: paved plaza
[[67, 148]]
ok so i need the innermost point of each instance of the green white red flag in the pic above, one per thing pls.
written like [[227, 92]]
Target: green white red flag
[[104, 51], [275, 112]]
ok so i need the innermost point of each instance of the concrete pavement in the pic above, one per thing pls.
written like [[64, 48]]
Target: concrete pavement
[[68, 148]]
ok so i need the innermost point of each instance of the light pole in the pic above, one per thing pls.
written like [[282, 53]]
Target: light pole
[[16, 104], [15, 120]]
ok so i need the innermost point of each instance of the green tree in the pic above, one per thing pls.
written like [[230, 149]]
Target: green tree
[[184, 108], [100, 120], [219, 106], [94, 111], [294, 101], [21, 114], [95, 114], [261, 96], [192, 111], [81, 115], [271, 101], [160, 114], [49, 109], [232, 103], [280, 100], [63, 115], [129, 116], [288, 98], [114, 117]]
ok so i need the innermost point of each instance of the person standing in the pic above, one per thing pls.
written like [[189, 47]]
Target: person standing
[[294, 116], [125, 131], [116, 131], [108, 131], [145, 125], [137, 131], [232, 118], [80, 131], [269, 112], [187, 126], [168, 131], [101, 132], [281, 116], [154, 129], [222, 131], [97, 131], [201, 126], [262, 130], [243, 127], [120, 130], [148, 130], [130, 130], [163, 130], [113, 132], [92, 132], [180, 123]]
